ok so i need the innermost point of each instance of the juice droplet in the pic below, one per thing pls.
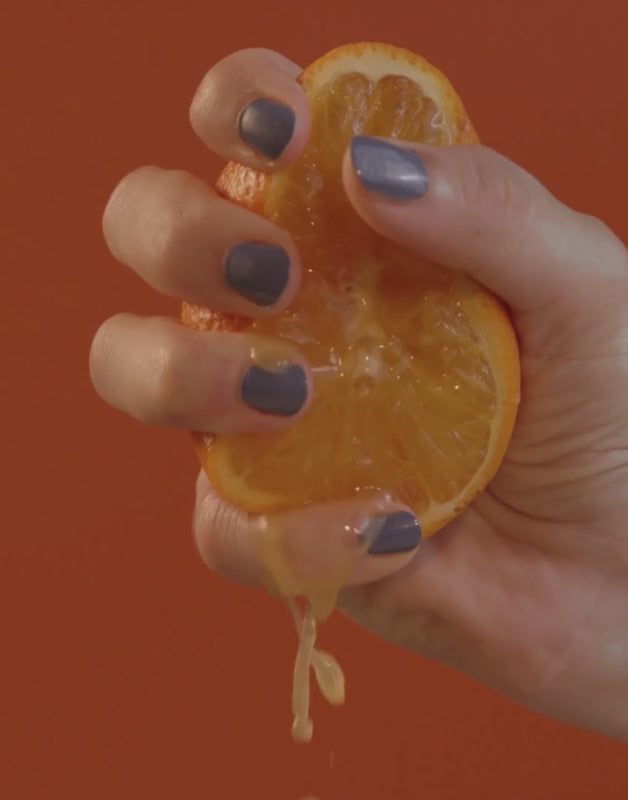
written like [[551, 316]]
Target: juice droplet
[[329, 676]]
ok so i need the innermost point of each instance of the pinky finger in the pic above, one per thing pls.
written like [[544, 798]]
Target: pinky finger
[[355, 541]]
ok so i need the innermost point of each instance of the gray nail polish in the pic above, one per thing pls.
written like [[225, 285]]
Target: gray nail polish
[[281, 393], [259, 272], [396, 533], [388, 170], [267, 126]]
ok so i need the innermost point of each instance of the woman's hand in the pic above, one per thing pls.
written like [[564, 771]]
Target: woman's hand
[[527, 591]]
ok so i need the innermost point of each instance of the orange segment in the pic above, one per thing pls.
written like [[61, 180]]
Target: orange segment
[[416, 367]]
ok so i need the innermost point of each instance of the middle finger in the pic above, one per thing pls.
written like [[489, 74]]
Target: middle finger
[[187, 242]]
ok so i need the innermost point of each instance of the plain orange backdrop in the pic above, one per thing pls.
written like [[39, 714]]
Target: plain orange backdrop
[[127, 669]]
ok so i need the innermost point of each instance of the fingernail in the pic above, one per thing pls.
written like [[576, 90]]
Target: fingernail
[[259, 272], [395, 533], [267, 126], [386, 169], [283, 392]]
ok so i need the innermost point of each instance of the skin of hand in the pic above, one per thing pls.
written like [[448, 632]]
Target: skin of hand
[[527, 591]]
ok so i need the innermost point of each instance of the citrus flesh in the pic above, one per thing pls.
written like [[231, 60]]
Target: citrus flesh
[[416, 370]]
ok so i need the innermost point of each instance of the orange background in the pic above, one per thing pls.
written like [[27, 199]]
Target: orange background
[[128, 670]]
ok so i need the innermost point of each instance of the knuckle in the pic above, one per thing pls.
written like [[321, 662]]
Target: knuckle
[[117, 205], [100, 355], [218, 529], [210, 521], [169, 228], [209, 101], [610, 251], [491, 184], [228, 83], [205, 100], [165, 403], [147, 221]]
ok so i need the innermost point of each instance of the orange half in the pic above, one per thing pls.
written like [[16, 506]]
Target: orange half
[[416, 366]]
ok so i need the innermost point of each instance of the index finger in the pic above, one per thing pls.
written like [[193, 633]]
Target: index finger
[[249, 108]]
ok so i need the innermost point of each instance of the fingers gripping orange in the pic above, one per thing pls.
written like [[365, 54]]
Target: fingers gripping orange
[[416, 366]]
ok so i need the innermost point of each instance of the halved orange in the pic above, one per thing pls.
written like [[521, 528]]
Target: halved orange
[[416, 366]]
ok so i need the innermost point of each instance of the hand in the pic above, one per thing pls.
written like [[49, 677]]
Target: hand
[[527, 590]]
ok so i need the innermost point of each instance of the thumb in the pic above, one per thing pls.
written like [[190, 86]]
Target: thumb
[[470, 208]]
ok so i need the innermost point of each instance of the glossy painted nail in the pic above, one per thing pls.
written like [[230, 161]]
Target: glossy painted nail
[[282, 392], [388, 170], [259, 272], [399, 532], [267, 126]]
